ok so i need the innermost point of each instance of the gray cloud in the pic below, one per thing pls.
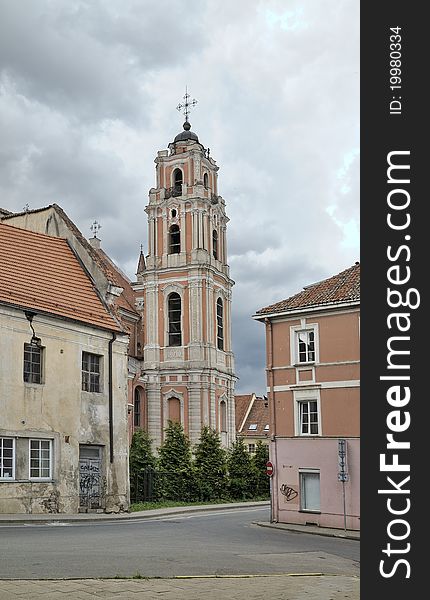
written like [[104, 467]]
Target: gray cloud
[[88, 91]]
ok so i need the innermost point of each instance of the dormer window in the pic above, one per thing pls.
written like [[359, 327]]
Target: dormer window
[[178, 180], [174, 239], [253, 427]]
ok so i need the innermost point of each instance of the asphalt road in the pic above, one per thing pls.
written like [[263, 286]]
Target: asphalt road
[[209, 543]]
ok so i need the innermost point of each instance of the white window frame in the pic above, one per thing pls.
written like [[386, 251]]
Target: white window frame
[[294, 343], [29, 459], [301, 396], [253, 448], [304, 472], [253, 427], [2, 477]]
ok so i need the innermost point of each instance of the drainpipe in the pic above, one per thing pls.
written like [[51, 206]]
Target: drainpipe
[[271, 394], [110, 386]]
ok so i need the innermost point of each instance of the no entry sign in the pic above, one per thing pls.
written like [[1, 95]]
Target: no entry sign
[[269, 468]]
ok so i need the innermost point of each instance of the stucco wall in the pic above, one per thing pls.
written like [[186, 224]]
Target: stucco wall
[[60, 411], [321, 454]]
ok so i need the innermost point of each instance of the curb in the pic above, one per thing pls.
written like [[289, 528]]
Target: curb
[[305, 529], [115, 517]]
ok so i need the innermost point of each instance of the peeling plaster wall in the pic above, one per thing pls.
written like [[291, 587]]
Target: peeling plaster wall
[[58, 410]]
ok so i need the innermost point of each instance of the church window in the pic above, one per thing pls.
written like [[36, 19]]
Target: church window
[[174, 309], [206, 180], [177, 182], [137, 408], [215, 244], [220, 324], [173, 213], [174, 239], [223, 415], [174, 410]]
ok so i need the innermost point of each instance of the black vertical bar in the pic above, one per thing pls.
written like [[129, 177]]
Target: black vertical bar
[[394, 124]]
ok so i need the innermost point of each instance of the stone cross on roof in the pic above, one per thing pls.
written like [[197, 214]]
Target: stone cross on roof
[[95, 228]]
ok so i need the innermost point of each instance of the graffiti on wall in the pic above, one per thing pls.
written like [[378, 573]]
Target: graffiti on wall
[[289, 492]]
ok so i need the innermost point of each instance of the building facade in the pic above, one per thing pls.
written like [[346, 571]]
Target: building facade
[[185, 288], [63, 383], [313, 365]]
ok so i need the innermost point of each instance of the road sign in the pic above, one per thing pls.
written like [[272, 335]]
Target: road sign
[[269, 468], [341, 452]]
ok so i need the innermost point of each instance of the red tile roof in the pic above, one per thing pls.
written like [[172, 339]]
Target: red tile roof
[[42, 273], [343, 287], [258, 415], [116, 276]]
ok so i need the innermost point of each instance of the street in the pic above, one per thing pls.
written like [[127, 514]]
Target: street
[[210, 543]]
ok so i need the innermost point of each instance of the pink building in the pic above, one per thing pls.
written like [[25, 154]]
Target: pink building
[[313, 384]]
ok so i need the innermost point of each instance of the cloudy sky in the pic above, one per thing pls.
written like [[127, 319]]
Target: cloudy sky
[[88, 90]]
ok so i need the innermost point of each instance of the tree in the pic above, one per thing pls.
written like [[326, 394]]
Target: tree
[[260, 459], [242, 473], [176, 472], [210, 461], [141, 459]]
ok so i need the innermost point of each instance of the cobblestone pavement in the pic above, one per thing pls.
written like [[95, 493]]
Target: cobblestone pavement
[[279, 587]]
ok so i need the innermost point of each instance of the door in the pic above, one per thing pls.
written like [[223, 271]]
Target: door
[[91, 481]]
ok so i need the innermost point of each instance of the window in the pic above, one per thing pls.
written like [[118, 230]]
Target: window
[[215, 244], [174, 239], [174, 410], [137, 408], [174, 310], [220, 324], [308, 417], [177, 182], [253, 427], [310, 491], [206, 180], [91, 372], [266, 428], [7, 458], [40, 459], [306, 345], [33, 363], [251, 448], [223, 415]]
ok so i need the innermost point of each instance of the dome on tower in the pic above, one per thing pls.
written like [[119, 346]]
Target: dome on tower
[[187, 134]]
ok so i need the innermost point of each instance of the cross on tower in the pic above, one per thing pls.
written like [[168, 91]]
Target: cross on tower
[[95, 228], [186, 104]]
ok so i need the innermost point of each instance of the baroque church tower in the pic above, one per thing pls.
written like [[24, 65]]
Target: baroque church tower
[[186, 290]]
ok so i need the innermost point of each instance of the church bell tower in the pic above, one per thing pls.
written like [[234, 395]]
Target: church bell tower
[[186, 288]]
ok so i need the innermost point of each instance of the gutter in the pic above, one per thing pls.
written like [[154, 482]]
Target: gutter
[[271, 394], [310, 309], [110, 386]]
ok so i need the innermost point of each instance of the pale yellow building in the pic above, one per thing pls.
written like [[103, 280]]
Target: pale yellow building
[[63, 383]]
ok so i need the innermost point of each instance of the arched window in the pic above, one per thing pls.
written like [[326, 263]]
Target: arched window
[[174, 239], [215, 244], [137, 409], [206, 180], [174, 405], [220, 324], [174, 308], [223, 415], [177, 182]]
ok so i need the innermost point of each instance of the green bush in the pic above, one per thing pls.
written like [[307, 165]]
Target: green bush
[[210, 462]]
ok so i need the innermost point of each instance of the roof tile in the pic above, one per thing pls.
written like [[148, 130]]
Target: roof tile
[[343, 287], [42, 273]]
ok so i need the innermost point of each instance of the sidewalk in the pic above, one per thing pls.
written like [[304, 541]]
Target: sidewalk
[[144, 514], [275, 587], [349, 534]]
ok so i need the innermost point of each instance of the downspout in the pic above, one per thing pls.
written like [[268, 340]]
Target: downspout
[[271, 394], [110, 386]]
